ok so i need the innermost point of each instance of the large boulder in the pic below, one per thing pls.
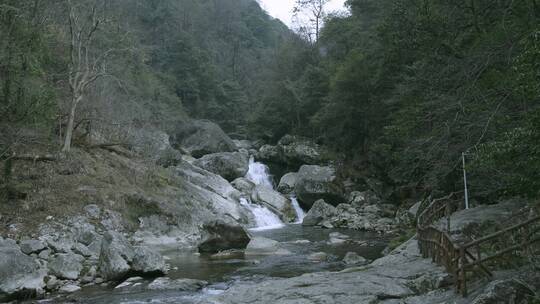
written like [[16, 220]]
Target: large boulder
[[229, 165], [297, 151], [223, 236], [66, 266], [201, 137], [148, 261], [274, 201], [243, 185], [287, 183], [320, 212], [19, 273], [316, 182], [32, 246], [115, 257], [264, 246], [268, 153]]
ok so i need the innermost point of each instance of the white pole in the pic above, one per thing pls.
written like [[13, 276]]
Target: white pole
[[465, 182]]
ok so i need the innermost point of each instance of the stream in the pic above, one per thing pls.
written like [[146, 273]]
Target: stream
[[299, 240]]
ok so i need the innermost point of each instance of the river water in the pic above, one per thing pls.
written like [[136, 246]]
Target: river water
[[300, 241]]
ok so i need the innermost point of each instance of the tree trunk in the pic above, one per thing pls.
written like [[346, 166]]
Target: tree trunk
[[70, 125]]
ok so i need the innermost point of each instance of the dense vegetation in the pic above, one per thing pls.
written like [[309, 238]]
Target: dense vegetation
[[407, 86], [402, 88]]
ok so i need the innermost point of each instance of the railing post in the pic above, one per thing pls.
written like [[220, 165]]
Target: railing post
[[463, 279]]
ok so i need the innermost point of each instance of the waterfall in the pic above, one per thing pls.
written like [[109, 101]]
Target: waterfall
[[258, 173], [300, 214], [264, 218]]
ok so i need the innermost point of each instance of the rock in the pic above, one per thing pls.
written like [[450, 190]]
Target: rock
[[243, 185], [148, 261], [263, 246], [318, 257], [505, 291], [201, 137], [44, 255], [92, 211], [32, 246], [243, 144], [315, 182], [297, 151], [69, 288], [19, 273], [228, 254], [115, 256], [52, 282], [61, 245], [82, 250], [177, 285], [223, 236], [359, 199], [268, 153], [431, 281], [287, 183], [275, 202], [352, 258], [229, 165], [319, 212], [413, 211], [66, 266]]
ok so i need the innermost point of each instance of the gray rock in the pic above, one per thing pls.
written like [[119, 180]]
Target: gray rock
[[148, 261], [222, 236], [201, 137], [66, 265], [52, 282], [61, 245], [229, 165], [243, 185], [177, 285], [82, 250], [275, 201], [69, 288], [352, 258], [318, 257], [19, 273], [268, 153], [287, 183], [92, 211], [32, 246], [45, 254], [319, 212], [359, 199], [505, 291], [243, 144], [297, 151], [315, 182], [116, 254], [262, 246]]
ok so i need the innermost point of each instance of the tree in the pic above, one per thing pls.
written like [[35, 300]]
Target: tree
[[316, 13], [87, 61]]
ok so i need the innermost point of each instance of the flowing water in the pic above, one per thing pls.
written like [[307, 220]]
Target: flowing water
[[222, 273]]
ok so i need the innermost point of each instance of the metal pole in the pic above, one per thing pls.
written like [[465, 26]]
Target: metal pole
[[465, 182]]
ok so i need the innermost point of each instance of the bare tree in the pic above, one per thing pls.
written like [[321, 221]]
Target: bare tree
[[315, 10], [86, 63]]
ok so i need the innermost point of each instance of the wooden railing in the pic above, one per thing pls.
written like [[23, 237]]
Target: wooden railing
[[472, 258]]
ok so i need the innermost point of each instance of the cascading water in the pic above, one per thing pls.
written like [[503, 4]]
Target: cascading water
[[265, 219], [300, 214]]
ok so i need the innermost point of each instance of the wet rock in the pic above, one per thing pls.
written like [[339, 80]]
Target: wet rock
[[229, 165], [275, 201], [116, 254], [177, 285], [148, 261], [315, 182], [318, 257], [265, 246], [352, 258], [228, 254], [243, 185], [19, 273], [31, 246], [66, 266], [69, 288], [287, 183], [319, 212], [201, 137], [223, 236]]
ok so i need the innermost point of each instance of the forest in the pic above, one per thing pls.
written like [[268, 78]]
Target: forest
[[408, 100]]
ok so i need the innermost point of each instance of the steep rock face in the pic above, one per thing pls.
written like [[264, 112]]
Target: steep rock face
[[315, 182], [275, 201], [229, 165], [222, 236], [201, 137], [19, 273]]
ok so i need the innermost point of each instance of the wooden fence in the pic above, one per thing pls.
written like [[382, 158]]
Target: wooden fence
[[466, 260]]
